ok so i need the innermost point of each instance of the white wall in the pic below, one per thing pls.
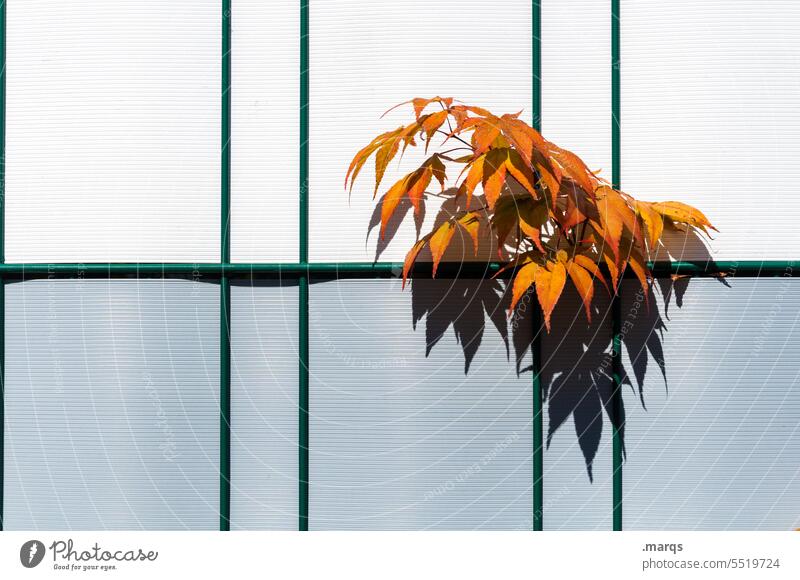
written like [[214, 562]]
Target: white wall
[[112, 131], [576, 79], [369, 56], [710, 116], [265, 117]]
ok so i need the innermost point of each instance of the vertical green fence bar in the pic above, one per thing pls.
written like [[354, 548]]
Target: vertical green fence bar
[[538, 438], [616, 312], [2, 254], [225, 405], [536, 105], [538, 429], [303, 281], [225, 288]]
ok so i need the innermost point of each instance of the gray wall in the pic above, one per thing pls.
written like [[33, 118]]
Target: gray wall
[[112, 405], [718, 445], [404, 441], [264, 455]]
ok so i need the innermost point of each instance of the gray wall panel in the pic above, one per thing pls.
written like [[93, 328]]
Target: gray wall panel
[[718, 446], [112, 405], [264, 390], [404, 441]]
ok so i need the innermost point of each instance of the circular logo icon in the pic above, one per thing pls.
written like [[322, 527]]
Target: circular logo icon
[[31, 553]]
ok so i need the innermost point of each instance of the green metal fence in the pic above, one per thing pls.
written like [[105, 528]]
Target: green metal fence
[[303, 271]]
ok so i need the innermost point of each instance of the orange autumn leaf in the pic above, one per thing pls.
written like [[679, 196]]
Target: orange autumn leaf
[[653, 222], [574, 167], [584, 284], [682, 213], [439, 241], [471, 223], [549, 282], [522, 281], [412, 186], [411, 257], [494, 174]]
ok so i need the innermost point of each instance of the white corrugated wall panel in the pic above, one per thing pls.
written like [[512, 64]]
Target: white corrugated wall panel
[[576, 79], [112, 405], [367, 57], [717, 446], [710, 117], [265, 130], [264, 406], [113, 130], [404, 441]]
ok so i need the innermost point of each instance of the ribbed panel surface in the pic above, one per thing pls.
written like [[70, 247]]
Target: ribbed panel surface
[[576, 79], [576, 370], [710, 117], [367, 57], [265, 101], [112, 405], [113, 130], [717, 447], [264, 407], [404, 441]]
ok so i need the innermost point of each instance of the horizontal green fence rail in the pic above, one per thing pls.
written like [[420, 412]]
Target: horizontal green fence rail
[[366, 270]]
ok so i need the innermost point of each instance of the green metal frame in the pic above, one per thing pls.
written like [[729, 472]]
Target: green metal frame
[[302, 271], [616, 309], [327, 270], [225, 283], [303, 357], [536, 350]]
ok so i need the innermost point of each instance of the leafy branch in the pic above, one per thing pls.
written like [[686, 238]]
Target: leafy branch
[[550, 216]]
